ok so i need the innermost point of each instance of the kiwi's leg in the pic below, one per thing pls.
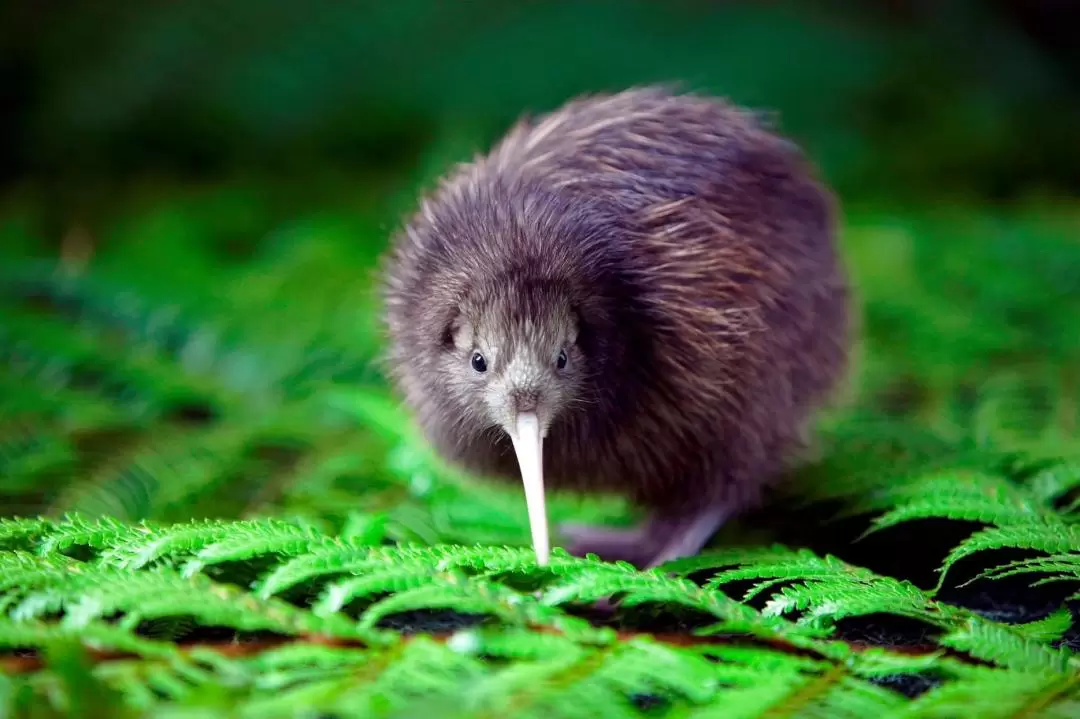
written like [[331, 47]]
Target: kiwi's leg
[[683, 535], [610, 544], [658, 539]]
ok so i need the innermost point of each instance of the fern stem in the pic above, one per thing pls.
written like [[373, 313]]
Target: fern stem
[[519, 702], [807, 693]]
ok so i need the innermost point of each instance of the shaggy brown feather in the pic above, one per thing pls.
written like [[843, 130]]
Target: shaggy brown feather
[[680, 253]]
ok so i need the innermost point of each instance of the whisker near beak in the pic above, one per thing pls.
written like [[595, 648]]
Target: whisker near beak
[[528, 446]]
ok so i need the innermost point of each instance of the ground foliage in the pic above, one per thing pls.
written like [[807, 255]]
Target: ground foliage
[[926, 562]]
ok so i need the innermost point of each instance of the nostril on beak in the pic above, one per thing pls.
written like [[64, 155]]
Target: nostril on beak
[[525, 400]]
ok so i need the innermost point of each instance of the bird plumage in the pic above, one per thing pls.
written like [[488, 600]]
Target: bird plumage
[[692, 253]]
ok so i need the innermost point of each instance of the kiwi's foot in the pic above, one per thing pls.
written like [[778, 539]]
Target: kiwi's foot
[[659, 539]]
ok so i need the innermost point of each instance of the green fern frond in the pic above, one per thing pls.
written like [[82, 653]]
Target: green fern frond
[[1049, 629], [1055, 481], [879, 663], [31, 460], [21, 573], [774, 564], [998, 694], [22, 532], [643, 665], [99, 534], [91, 300], [141, 404], [1017, 409], [84, 693], [373, 582], [165, 335], [38, 634], [348, 556], [208, 540], [825, 602], [33, 388], [1053, 537], [635, 588], [864, 453], [514, 643], [135, 378], [421, 669], [276, 666], [130, 579], [180, 466], [453, 590], [38, 384], [825, 588], [563, 680], [970, 496], [831, 692], [1059, 567], [1008, 647], [36, 587]]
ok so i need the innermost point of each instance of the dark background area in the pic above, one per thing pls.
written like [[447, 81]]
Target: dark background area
[[895, 99]]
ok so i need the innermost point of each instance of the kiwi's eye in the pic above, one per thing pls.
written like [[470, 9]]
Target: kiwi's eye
[[478, 362], [561, 361]]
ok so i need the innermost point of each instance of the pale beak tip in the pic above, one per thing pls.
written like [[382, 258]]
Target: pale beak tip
[[528, 443]]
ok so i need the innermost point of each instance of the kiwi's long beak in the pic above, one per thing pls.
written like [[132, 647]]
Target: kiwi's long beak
[[528, 445]]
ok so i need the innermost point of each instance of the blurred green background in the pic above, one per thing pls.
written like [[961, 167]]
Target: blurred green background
[[894, 98], [217, 179]]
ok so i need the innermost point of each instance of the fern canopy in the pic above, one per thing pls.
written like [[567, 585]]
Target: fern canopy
[[212, 506]]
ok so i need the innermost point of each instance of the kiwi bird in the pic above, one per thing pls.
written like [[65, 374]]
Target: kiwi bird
[[637, 293]]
